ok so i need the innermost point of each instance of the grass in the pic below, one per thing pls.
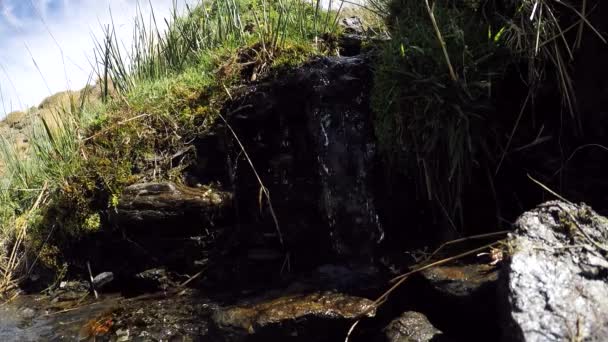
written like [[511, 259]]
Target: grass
[[150, 101], [434, 95], [431, 118]]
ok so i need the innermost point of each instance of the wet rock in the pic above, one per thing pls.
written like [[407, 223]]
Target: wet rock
[[28, 313], [153, 280], [150, 205], [103, 279], [311, 131], [411, 326], [353, 25], [453, 296], [309, 317], [554, 287], [71, 290], [461, 281]]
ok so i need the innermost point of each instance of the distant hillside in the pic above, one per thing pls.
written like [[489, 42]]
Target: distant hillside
[[16, 126]]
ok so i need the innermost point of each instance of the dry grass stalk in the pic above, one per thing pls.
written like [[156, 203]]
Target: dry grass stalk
[[263, 189], [441, 41], [11, 266]]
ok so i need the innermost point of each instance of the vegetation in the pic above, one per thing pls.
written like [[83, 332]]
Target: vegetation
[[434, 102], [437, 119], [148, 105]]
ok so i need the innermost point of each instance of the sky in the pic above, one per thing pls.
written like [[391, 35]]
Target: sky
[[46, 46]]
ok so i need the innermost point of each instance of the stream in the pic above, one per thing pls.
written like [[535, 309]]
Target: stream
[[151, 317]]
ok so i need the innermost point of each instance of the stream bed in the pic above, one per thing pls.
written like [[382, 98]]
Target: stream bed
[[153, 317]]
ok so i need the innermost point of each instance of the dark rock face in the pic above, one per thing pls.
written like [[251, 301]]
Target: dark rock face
[[304, 317], [102, 279], [312, 130], [461, 280], [556, 282], [411, 326]]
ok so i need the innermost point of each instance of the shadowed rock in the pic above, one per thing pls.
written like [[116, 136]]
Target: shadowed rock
[[309, 316]]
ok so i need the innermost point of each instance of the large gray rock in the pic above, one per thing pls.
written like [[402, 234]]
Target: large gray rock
[[555, 283], [411, 326]]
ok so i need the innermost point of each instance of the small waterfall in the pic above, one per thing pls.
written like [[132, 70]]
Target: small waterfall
[[346, 153]]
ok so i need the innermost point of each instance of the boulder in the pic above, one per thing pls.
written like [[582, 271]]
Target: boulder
[[411, 326], [554, 286]]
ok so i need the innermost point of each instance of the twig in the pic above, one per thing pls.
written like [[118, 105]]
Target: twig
[[441, 41], [437, 263], [92, 282], [579, 36], [350, 331], [191, 278], [549, 190], [468, 238], [12, 263], [575, 152], [114, 126], [402, 278], [521, 113]]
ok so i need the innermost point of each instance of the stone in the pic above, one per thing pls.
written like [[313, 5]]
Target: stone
[[554, 286], [411, 326], [461, 281], [353, 25], [158, 204], [103, 279], [292, 315], [454, 295], [28, 313], [153, 280]]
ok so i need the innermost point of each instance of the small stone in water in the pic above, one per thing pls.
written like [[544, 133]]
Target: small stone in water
[[102, 279], [123, 335], [28, 313]]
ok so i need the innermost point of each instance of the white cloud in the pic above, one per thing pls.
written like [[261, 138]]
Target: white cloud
[[72, 23]]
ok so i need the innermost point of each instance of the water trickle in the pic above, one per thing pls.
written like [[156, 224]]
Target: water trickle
[[346, 154]]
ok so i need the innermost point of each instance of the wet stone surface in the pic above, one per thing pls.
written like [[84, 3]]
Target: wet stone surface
[[412, 326], [301, 315], [555, 285], [461, 280], [461, 300]]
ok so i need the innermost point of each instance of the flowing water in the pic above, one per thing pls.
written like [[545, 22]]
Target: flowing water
[[158, 317]]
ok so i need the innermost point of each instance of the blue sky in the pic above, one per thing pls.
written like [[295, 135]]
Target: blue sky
[[58, 35]]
